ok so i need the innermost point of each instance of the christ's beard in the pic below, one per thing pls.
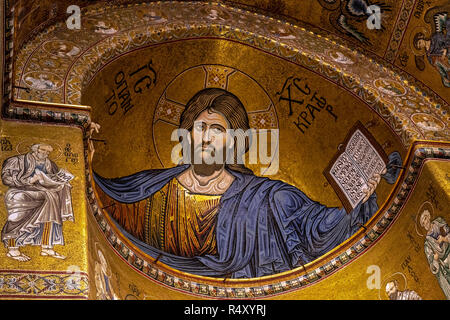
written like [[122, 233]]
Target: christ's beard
[[202, 168], [206, 170]]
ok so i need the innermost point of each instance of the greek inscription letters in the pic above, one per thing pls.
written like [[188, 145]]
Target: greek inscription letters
[[141, 80], [5, 144], [295, 91], [70, 156]]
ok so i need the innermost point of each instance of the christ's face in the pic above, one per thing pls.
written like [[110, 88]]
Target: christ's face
[[210, 138]]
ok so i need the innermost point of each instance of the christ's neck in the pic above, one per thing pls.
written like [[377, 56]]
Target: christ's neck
[[206, 179]]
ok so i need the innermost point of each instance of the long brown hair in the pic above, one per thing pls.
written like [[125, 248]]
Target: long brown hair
[[226, 103]]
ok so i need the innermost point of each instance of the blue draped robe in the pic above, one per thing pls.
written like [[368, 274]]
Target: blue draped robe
[[263, 226]]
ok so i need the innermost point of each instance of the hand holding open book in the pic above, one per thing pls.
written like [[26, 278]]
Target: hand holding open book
[[356, 170], [60, 178], [372, 184]]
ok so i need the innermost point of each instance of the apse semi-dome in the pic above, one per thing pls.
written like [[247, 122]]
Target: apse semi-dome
[[341, 188]]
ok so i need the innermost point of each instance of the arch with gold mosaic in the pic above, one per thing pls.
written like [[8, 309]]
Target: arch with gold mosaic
[[73, 66], [81, 58]]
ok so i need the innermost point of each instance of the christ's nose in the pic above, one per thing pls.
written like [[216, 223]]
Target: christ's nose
[[207, 137]]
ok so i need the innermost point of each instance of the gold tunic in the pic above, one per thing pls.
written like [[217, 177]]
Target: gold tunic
[[173, 219]]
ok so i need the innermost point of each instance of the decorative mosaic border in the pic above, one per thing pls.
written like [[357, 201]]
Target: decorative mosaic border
[[44, 113], [43, 284], [399, 30], [8, 48], [310, 277]]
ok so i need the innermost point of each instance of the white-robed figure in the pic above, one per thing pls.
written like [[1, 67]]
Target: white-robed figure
[[37, 202], [395, 294], [437, 249]]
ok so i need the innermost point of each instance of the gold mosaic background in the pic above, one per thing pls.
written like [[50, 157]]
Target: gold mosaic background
[[16, 139], [405, 261], [252, 56], [57, 65], [137, 129]]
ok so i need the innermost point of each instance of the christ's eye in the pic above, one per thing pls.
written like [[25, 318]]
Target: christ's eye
[[216, 131], [198, 126]]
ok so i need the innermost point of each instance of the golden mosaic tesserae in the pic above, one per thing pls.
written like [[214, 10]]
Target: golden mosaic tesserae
[[225, 150]]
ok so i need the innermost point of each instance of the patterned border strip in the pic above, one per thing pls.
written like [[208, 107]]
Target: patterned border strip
[[223, 292], [45, 113], [8, 43], [399, 30], [43, 285]]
